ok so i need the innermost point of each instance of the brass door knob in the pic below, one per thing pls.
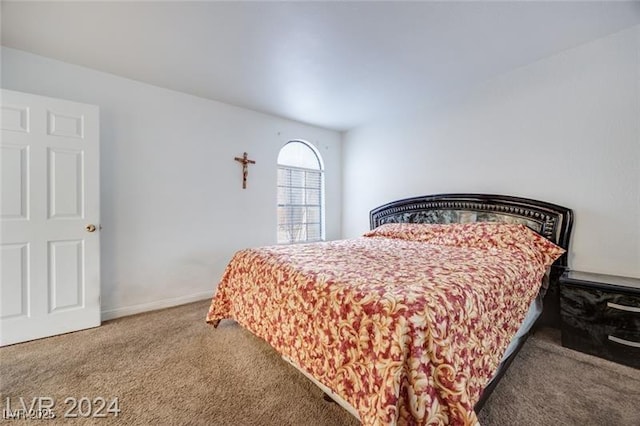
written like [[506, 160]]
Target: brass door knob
[[90, 228]]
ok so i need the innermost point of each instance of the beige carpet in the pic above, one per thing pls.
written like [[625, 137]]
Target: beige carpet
[[551, 385], [169, 367]]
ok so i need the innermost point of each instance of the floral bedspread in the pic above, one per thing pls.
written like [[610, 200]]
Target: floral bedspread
[[407, 323]]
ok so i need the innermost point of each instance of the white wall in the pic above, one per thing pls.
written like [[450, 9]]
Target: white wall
[[172, 205], [565, 129]]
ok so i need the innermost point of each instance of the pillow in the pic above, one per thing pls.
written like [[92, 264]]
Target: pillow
[[480, 235], [405, 231]]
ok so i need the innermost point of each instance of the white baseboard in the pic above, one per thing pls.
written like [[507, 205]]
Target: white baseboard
[[152, 306]]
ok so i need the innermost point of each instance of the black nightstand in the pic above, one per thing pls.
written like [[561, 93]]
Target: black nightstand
[[600, 315]]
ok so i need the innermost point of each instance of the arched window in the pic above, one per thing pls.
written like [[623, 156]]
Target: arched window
[[300, 194]]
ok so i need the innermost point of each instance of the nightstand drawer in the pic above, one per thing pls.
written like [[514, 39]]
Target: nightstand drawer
[[619, 347], [581, 304], [601, 322]]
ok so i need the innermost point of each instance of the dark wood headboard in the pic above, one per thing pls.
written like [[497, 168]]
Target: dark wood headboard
[[549, 220]]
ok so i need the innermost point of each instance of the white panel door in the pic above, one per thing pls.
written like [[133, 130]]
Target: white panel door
[[49, 217]]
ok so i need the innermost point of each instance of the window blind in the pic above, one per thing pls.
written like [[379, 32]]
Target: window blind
[[299, 205]]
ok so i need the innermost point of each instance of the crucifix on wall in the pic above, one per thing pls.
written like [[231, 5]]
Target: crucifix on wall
[[244, 160]]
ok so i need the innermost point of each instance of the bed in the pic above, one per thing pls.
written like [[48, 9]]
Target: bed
[[416, 321]]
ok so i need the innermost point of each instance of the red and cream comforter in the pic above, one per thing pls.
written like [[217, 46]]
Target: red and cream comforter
[[407, 323]]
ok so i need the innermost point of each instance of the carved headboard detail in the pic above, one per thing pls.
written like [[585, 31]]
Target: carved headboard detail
[[549, 220]]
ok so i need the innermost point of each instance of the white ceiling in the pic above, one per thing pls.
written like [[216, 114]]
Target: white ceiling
[[333, 64]]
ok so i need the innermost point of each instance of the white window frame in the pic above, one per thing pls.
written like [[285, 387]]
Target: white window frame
[[321, 206]]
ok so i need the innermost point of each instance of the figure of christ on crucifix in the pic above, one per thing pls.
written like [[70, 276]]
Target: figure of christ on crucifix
[[245, 168]]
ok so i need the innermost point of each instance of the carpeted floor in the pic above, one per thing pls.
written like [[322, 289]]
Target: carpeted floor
[[169, 367]]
